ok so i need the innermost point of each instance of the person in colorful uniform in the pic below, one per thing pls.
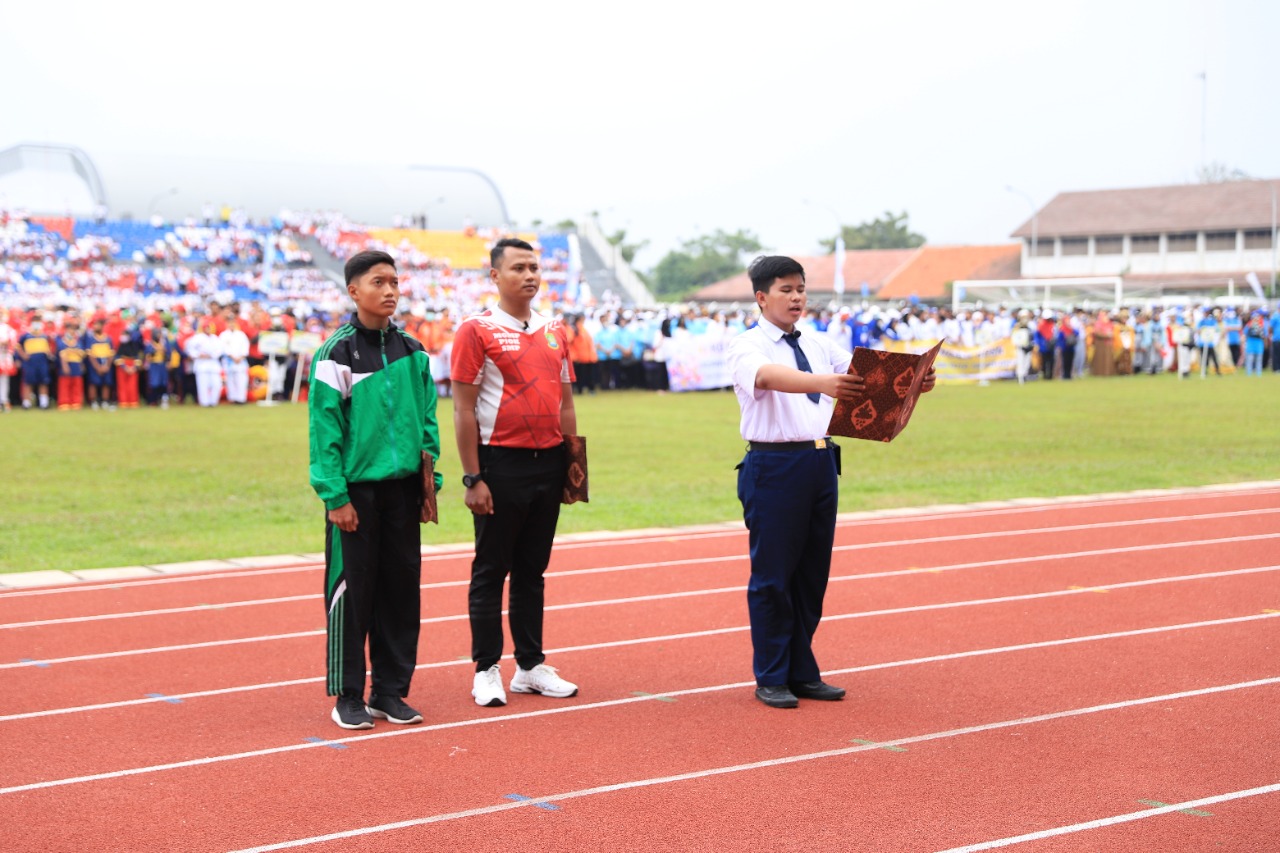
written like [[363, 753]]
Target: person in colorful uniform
[[35, 350], [71, 358], [99, 355], [1255, 336], [1208, 333], [1273, 335], [513, 405], [372, 415], [235, 361], [205, 351], [128, 366], [1233, 331], [8, 364], [158, 351], [785, 382]]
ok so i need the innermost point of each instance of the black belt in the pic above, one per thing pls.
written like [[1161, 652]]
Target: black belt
[[815, 444]]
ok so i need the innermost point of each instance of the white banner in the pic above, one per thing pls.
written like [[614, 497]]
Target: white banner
[[696, 362]]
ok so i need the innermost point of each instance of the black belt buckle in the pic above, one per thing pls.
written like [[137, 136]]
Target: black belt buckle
[[824, 443]]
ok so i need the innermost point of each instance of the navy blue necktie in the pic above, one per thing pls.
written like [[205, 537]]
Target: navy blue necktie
[[802, 361]]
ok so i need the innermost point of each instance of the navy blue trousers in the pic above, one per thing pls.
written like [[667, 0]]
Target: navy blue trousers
[[789, 504]]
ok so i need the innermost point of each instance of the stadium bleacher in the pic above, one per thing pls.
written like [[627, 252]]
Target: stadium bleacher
[[59, 260]]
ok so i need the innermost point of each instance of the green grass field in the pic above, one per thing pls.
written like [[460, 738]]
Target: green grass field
[[94, 489]]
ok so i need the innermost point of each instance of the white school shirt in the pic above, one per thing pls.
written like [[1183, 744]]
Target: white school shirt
[[235, 343], [777, 415]]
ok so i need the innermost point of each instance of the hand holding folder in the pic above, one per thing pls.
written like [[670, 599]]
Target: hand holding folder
[[430, 513], [575, 473], [893, 381]]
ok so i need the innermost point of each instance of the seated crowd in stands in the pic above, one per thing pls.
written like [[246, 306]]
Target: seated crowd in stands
[[117, 313]]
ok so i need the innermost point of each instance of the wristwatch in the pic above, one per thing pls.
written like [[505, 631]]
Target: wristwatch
[[469, 480]]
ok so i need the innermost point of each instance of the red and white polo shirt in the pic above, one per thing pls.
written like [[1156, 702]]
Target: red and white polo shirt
[[519, 372]]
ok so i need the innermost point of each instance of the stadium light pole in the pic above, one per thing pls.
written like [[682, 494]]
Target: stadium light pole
[[837, 278], [1275, 241], [1035, 215]]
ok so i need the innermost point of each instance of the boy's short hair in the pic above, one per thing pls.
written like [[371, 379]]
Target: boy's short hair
[[495, 254], [767, 269], [361, 262]]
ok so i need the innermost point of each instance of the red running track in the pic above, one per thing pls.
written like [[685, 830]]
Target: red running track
[[1096, 675]]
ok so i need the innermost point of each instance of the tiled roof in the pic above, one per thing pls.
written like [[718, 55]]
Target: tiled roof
[[930, 271], [1152, 210], [874, 266]]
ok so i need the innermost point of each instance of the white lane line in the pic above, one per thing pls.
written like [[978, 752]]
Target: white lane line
[[543, 712], [664, 638], [758, 765], [693, 561], [1111, 821], [436, 620], [872, 517], [862, 546]]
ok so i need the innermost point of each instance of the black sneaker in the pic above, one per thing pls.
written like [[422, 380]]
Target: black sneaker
[[392, 709], [350, 713]]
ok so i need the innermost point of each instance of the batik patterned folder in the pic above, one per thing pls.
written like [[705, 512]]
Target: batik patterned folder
[[893, 387], [430, 513], [575, 470]]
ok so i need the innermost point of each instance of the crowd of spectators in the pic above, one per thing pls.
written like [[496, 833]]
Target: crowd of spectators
[[200, 277]]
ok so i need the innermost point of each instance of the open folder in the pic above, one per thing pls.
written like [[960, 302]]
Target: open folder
[[893, 387]]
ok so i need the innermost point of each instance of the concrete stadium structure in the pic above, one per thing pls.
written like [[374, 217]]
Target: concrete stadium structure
[[60, 180]]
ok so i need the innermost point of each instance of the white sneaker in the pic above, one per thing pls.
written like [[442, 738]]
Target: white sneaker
[[542, 679], [487, 688]]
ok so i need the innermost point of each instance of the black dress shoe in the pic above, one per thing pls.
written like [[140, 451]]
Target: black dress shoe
[[817, 690], [777, 696]]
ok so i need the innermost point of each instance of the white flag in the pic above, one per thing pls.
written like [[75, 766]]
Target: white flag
[[1252, 278]]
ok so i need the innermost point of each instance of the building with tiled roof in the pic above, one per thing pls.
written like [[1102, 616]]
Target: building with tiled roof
[[923, 274], [872, 267], [1176, 231], [1144, 244], [929, 276]]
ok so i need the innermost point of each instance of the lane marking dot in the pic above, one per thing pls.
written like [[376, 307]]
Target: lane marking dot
[[327, 743], [1193, 812], [888, 746], [653, 696], [521, 798], [170, 699], [36, 663]]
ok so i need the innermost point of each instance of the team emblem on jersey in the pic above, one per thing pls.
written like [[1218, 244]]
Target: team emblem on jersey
[[551, 340]]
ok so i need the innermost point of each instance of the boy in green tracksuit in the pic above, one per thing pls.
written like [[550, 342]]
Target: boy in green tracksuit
[[373, 415]]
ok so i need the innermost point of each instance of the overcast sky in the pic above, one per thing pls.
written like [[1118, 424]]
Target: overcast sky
[[673, 119]]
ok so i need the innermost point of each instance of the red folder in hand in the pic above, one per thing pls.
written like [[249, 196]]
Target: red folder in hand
[[430, 513], [575, 473], [893, 387]]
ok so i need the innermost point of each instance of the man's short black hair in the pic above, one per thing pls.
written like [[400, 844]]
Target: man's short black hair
[[495, 254], [361, 262], [767, 269]]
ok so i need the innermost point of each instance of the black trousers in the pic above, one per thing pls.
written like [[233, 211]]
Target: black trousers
[[1046, 363], [585, 371], [516, 540], [1068, 359], [371, 589], [789, 501]]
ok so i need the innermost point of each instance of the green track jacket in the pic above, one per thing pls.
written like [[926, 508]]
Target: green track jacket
[[372, 407]]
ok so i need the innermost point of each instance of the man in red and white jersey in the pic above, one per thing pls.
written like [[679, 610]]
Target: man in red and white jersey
[[513, 404]]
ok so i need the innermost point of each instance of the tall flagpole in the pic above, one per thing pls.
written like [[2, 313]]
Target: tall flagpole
[[1275, 235]]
